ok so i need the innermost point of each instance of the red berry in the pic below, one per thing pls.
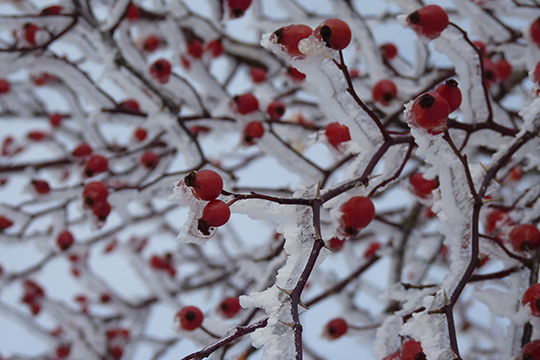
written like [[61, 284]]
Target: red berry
[[52, 10], [130, 104], [491, 74], [29, 31], [535, 32], [295, 75], [82, 150], [35, 308], [215, 47], [515, 174], [4, 86], [207, 184], [216, 213], [372, 249], [151, 43], [253, 132], [421, 186], [161, 70], [290, 36], [532, 297], [229, 307], [65, 240], [63, 351], [158, 262], [531, 351], [105, 298], [337, 134], [495, 219], [430, 111], [5, 223], [357, 213], [195, 48], [335, 33], [384, 92], [429, 21], [149, 160], [101, 210], [389, 51], [258, 75], [276, 109], [246, 103], [55, 119], [336, 243], [504, 69], [32, 292], [133, 13], [525, 237], [116, 352], [94, 192], [96, 165], [190, 317], [451, 93], [237, 8], [140, 134], [481, 47], [41, 186], [412, 350], [36, 135], [336, 328]]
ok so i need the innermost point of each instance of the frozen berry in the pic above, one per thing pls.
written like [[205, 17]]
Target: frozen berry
[[504, 69], [372, 249], [384, 92], [532, 298], [195, 48], [290, 36], [258, 75], [140, 134], [336, 328], [389, 51], [421, 186], [133, 13], [101, 210], [215, 47], [237, 8], [335, 33], [130, 104], [531, 351], [253, 132], [246, 103], [55, 119], [295, 75], [229, 307], [412, 350], [216, 213], [429, 21], [337, 134], [29, 31], [96, 164], [206, 184], [357, 213], [151, 43], [430, 111], [161, 70], [95, 192], [52, 10], [525, 237], [82, 150], [149, 160], [190, 318], [451, 93], [41, 186], [276, 109], [336, 243], [64, 240]]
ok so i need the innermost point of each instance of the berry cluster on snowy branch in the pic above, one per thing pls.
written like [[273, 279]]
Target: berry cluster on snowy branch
[[392, 195]]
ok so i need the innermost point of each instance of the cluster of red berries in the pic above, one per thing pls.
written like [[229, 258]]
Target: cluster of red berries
[[493, 71], [356, 214], [32, 296], [163, 263], [334, 33], [117, 339], [95, 195], [430, 110], [207, 185]]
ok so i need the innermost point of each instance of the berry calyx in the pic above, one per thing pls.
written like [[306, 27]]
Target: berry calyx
[[229, 307], [289, 37], [534, 31], [41, 186], [276, 109], [246, 103], [531, 351], [195, 48], [412, 350], [430, 111], [384, 92], [215, 214], [4, 86], [149, 160], [151, 43], [253, 132], [190, 317], [5, 223], [237, 8], [357, 213], [335, 33], [337, 134], [389, 51], [64, 240], [421, 186], [97, 164], [451, 93], [336, 243], [82, 150], [140, 134], [207, 184], [336, 328], [525, 237], [428, 21], [94, 192], [130, 104], [161, 70], [55, 119], [258, 75], [532, 298]]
